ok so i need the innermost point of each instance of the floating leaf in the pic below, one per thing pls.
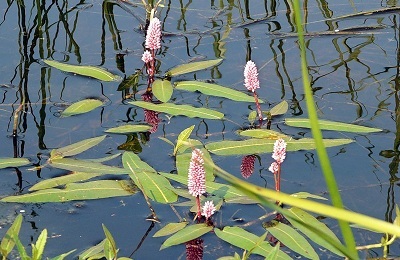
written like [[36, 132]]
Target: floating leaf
[[7, 243], [252, 117], [305, 195], [76, 148], [131, 81], [292, 239], [105, 159], [162, 90], [128, 129], [188, 233], [318, 231], [77, 191], [85, 166], [183, 110], [263, 134], [170, 228], [215, 90], [247, 241], [191, 67], [136, 163], [81, 107], [182, 137], [13, 162], [62, 180], [280, 108], [155, 186], [331, 125], [183, 161], [90, 71], [259, 146]]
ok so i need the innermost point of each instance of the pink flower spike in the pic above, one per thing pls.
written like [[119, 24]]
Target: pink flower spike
[[247, 166], [146, 57], [251, 81], [208, 209], [274, 168], [153, 36], [196, 175], [279, 153]]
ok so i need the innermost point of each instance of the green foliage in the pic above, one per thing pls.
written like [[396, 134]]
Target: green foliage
[[81, 107], [7, 243], [280, 109], [331, 125], [214, 90], [162, 90], [186, 234], [90, 71], [170, 229], [77, 165], [192, 67], [130, 82], [127, 129], [76, 148], [182, 138], [180, 110], [13, 162]]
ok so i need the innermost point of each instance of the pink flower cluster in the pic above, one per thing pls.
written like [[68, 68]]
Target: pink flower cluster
[[251, 81], [147, 57], [153, 36], [279, 155], [247, 166], [208, 209], [196, 175]]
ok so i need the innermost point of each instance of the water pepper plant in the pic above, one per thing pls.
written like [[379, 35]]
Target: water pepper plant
[[193, 183]]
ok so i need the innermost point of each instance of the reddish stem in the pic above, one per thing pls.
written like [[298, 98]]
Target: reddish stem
[[198, 207], [260, 117]]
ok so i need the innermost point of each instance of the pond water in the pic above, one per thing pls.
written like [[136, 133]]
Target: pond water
[[354, 74]]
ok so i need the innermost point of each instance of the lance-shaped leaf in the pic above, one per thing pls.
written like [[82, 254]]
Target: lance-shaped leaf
[[182, 138], [94, 252], [7, 243], [63, 256], [215, 90], [155, 186], [247, 241], [180, 110], [188, 233], [38, 247], [81, 107], [85, 166], [13, 162], [90, 71], [263, 134], [162, 90], [131, 81], [76, 148], [279, 109], [77, 191], [128, 129], [292, 239], [259, 146], [331, 125], [170, 228], [191, 67], [62, 180]]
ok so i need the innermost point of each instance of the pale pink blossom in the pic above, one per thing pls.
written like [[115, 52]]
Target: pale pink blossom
[[279, 153], [208, 209], [247, 166], [274, 168], [147, 57], [196, 175], [153, 36], [251, 81]]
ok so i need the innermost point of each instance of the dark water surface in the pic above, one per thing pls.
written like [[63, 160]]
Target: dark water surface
[[354, 74]]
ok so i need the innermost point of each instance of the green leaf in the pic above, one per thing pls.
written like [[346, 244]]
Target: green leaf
[[331, 125], [170, 228], [105, 159], [273, 255], [76, 148], [317, 233], [252, 117], [108, 250], [259, 146], [190, 144], [63, 256], [62, 180], [188, 233], [38, 248], [246, 240], [215, 90], [191, 67], [136, 163], [180, 110], [111, 240], [92, 251], [263, 134], [167, 141], [162, 90], [305, 195], [81, 107], [128, 129], [7, 243], [77, 191], [21, 249], [76, 165], [183, 162], [182, 137], [90, 71], [13, 162], [280, 108], [131, 81], [155, 186], [292, 239]]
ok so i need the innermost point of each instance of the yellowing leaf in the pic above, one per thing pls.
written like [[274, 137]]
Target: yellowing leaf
[[280, 108]]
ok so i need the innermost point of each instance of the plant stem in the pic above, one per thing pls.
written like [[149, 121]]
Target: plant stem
[[198, 207], [260, 117]]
